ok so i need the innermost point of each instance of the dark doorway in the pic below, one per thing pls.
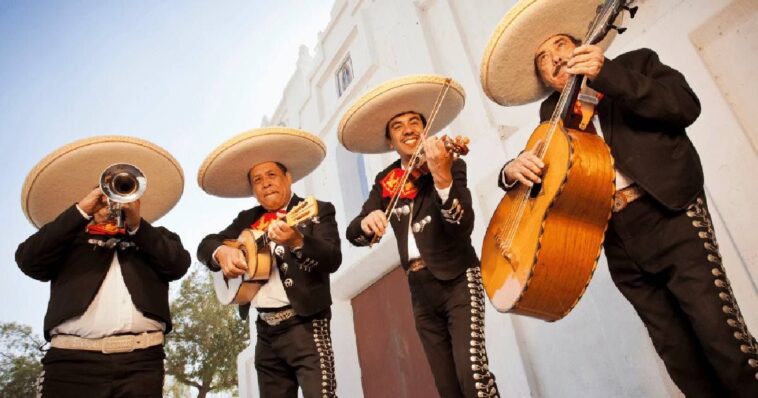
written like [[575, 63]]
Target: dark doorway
[[389, 351]]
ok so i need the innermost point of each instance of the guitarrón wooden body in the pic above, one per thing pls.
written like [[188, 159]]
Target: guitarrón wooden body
[[243, 290], [544, 268]]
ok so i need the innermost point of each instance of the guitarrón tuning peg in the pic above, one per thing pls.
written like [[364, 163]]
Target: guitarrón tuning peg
[[620, 30], [632, 10]]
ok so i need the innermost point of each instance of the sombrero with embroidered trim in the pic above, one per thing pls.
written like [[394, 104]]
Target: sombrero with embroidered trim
[[69, 173], [225, 171], [362, 128], [507, 71]]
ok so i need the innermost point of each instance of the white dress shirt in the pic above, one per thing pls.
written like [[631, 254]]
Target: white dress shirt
[[622, 181], [112, 311], [413, 251]]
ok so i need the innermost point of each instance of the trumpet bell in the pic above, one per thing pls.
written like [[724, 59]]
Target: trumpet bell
[[123, 183]]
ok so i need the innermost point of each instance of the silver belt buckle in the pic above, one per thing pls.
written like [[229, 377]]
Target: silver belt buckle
[[275, 318]]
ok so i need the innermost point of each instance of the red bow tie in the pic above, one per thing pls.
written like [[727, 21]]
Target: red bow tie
[[390, 184], [107, 228], [265, 220]]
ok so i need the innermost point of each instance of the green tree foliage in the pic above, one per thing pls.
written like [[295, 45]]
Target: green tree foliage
[[19, 360], [207, 337]]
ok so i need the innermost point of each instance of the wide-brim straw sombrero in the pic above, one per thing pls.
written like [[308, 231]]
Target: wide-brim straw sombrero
[[225, 171], [68, 174], [362, 128], [507, 72]]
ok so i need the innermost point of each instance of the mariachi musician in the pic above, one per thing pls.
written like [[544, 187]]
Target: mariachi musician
[[432, 221], [108, 309], [660, 244], [293, 346]]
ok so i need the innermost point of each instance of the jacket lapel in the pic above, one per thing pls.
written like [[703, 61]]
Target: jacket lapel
[[605, 115]]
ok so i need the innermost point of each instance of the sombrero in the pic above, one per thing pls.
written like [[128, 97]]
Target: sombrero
[[68, 174], [225, 171], [507, 71], [363, 125]]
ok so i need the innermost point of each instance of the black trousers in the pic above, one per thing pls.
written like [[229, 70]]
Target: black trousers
[[668, 266], [296, 352], [450, 322], [77, 373]]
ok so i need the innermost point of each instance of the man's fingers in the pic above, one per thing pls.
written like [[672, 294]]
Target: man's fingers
[[534, 159], [375, 222], [524, 180], [241, 260], [586, 49], [381, 224], [533, 167], [581, 58], [233, 272], [376, 226], [532, 177]]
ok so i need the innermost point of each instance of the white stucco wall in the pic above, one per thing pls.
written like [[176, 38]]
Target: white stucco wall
[[601, 349]]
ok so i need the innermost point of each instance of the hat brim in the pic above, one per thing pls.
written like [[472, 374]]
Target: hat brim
[[225, 171], [68, 174], [507, 71], [362, 128]]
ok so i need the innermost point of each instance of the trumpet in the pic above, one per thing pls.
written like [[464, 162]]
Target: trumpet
[[122, 183]]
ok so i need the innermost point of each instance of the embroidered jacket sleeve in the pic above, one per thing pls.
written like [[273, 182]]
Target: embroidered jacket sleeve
[[649, 90], [456, 211], [163, 250], [321, 242], [40, 255], [355, 233], [210, 243]]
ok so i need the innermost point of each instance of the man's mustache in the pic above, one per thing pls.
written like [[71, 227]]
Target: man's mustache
[[557, 69]]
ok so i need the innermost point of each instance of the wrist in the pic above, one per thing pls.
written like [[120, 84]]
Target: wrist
[[298, 243], [442, 181]]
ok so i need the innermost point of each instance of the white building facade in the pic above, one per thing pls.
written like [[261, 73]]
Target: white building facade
[[601, 349]]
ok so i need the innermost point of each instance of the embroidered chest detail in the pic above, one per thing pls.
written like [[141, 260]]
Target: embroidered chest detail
[[454, 214]]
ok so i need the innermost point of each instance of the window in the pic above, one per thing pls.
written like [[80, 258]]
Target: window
[[344, 75]]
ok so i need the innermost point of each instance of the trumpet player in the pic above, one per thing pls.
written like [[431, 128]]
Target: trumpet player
[[108, 309]]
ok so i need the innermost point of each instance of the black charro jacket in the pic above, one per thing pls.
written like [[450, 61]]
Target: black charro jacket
[[647, 106], [306, 277], [444, 229], [60, 252]]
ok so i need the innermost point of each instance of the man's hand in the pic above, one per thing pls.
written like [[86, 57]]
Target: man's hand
[[283, 234], [93, 202], [439, 161], [374, 223], [131, 215], [231, 260], [526, 168], [586, 60]]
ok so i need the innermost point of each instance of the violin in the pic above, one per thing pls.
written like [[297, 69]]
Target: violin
[[457, 147]]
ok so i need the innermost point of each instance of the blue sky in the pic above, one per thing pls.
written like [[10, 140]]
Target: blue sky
[[185, 75]]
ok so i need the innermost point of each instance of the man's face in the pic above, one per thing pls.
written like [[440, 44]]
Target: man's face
[[271, 186], [550, 59], [405, 133], [103, 215]]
